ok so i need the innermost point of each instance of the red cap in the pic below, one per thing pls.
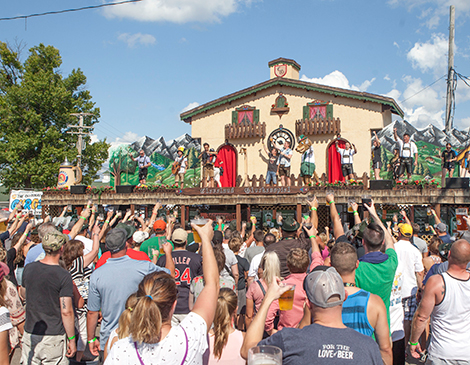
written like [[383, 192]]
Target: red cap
[[159, 225]]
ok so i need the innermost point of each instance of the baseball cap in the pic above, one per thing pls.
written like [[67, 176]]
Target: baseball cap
[[444, 249], [179, 236], [218, 238], [441, 227], [54, 241], [290, 225], [140, 236], [405, 229], [128, 228], [322, 284], [116, 240], [159, 225], [4, 270]]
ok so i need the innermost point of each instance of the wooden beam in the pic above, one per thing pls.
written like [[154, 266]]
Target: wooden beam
[[183, 216], [299, 212], [412, 214], [239, 217]]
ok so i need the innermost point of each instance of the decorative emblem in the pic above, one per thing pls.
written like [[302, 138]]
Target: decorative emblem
[[280, 70], [63, 178]]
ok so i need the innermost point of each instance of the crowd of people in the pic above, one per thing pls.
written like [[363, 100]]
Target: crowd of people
[[143, 291]]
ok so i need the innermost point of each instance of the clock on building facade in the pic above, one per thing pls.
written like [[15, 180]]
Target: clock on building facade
[[279, 136]]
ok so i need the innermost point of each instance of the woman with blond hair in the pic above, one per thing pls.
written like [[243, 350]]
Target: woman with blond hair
[[152, 339], [225, 341], [269, 268]]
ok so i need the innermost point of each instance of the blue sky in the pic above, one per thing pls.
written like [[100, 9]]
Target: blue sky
[[147, 62]]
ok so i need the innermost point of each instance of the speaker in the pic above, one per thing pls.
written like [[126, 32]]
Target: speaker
[[380, 184], [457, 183]]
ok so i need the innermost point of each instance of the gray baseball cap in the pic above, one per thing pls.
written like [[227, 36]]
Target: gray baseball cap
[[116, 240], [322, 285]]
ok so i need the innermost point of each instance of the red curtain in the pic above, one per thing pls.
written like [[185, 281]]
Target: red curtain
[[334, 163], [227, 158]]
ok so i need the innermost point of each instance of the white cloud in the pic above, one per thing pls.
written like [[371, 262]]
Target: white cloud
[[127, 138], [137, 39], [190, 106], [176, 11], [94, 138], [386, 77], [396, 45], [394, 94], [464, 123], [338, 79], [431, 55]]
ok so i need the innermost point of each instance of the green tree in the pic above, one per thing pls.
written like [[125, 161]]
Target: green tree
[[35, 106]]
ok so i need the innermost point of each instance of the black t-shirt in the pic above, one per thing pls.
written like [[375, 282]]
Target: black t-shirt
[[45, 285], [272, 164], [243, 266], [448, 155], [188, 265], [11, 256], [376, 154], [282, 248]]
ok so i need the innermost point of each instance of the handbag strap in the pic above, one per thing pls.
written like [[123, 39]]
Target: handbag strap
[[185, 353]]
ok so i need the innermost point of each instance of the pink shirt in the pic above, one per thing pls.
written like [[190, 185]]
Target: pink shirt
[[231, 352], [255, 293], [292, 317]]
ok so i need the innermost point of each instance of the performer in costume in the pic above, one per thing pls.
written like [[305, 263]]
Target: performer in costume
[[408, 149], [346, 159], [466, 165], [307, 165], [448, 156], [285, 155], [208, 158], [144, 164], [393, 165], [273, 165], [376, 157], [179, 167]]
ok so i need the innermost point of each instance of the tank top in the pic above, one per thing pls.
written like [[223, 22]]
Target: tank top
[[231, 352], [355, 312], [450, 321]]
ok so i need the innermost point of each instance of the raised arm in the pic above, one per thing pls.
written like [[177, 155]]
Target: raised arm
[[436, 217], [313, 206], [254, 333], [169, 263], [405, 217], [81, 220], [377, 139], [95, 236], [206, 303], [375, 217], [153, 218], [395, 135], [357, 218], [337, 226]]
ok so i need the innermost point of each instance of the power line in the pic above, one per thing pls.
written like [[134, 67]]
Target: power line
[[402, 101], [69, 10]]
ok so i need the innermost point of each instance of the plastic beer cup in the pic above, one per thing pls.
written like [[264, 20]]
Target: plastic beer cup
[[265, 355], [286, 300], [199, 222]]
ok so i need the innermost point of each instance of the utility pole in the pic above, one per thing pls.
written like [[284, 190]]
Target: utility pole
[[450, 73], [80, 133]]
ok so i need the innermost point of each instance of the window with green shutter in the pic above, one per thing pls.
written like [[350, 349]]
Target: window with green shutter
[[245, 115], [318, 109]]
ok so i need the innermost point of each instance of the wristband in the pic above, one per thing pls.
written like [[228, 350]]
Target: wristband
[[313, 208], [413, 344], [331, 202], [83, 218], [106, 221], [312, 236], [91, 341], [355, 212], [71, 338]]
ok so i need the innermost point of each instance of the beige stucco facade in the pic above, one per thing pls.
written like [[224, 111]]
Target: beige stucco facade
[[358, 118]]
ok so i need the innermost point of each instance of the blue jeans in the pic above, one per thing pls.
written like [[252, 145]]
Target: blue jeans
[[271, 176]]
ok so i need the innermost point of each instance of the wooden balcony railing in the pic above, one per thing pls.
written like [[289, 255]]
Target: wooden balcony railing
[[310, 127], [233, 131]]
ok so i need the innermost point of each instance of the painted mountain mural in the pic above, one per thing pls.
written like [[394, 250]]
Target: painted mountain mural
[[430, 141], [124, 171]]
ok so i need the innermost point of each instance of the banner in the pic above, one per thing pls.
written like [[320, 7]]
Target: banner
[[31, 200]]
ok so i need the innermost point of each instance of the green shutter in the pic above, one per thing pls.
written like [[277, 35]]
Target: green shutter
[[306, 112], [329, 111], [256, 116], [234, 117]]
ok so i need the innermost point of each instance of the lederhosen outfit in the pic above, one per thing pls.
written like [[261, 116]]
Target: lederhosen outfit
[[406, 158], [208, 161], [143, 171], [448, 155], [347, 162], [376, 157]]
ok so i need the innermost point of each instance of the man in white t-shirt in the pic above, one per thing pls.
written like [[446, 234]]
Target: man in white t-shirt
[[346, 154], [408, 150], [411, 263]]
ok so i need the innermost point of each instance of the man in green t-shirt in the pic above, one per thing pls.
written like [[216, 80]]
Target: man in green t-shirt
[[152, 246], [376, 269]]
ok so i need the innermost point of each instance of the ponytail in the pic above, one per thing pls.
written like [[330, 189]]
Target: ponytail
[[226, 307], [155, 297], [126, 316]]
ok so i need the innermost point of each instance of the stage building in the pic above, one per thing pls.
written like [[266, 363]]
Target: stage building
[[283, 108]]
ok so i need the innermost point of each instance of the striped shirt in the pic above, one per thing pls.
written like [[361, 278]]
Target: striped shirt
[[355, 312]]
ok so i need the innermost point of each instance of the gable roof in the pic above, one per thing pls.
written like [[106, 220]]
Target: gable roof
[[359, 95]]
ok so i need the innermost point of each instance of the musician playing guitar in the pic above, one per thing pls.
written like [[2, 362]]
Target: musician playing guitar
[[208, 158], [179, 167]]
